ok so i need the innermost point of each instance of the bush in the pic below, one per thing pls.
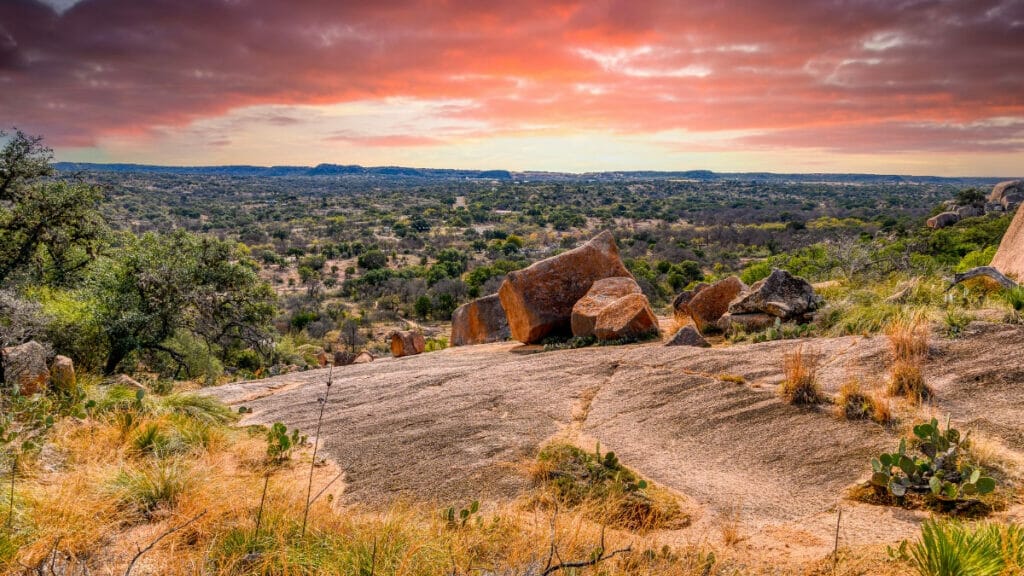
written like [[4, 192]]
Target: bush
[[950, 548]]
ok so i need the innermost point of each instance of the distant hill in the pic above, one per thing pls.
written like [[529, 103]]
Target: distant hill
[[278, 171], [450, 174]]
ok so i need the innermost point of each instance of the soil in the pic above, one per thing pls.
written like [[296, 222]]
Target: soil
[[463, 423]]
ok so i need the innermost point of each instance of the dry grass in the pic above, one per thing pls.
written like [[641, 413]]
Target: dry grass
[[730, 525], [908, 342], [854, 403], [801, 384], [732, 378]]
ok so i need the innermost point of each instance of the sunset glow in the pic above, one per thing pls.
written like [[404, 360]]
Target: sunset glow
[[915, 87]]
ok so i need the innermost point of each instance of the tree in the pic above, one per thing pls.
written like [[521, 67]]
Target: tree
[[350, 335], [158, 286], [372, 260], [50, 230]]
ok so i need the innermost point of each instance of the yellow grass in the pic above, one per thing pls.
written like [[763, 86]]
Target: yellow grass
[[801, 383], [908, 342]]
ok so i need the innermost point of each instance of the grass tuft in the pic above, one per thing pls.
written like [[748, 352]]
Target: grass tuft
[[801, 384], [908, 342]]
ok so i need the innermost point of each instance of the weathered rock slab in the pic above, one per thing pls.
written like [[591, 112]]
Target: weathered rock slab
[[538, 300], [681, 305], [480, 322]]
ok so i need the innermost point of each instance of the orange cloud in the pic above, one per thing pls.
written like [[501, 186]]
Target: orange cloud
[[866, 76]]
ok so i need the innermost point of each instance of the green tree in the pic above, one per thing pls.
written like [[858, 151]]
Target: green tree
[[158, 286], [372, 260], [50, 230]]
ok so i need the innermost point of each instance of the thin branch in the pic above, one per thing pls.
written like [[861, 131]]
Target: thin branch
[[983, 271], [131, 565], [316, 444], [324, 489]]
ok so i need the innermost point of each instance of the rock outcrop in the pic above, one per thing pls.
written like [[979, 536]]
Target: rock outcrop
[[688, 336], [24, 368], [943, 220], [1008, 195], [363, 358], [627, 318], [781, 295], [62, 374], [602, 294], [680, 306], [407, 343], [1009, 258], [479, 322], [708, 305], [538, 300]]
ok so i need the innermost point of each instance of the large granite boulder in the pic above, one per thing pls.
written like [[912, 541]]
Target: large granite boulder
[[62, 374], [943, 220], [538, 300], [681, 305], [780, 294], [406, 343], [688, 336], [479, 322], [628, 318], [602, 293], [1007, 194], [1009, 258], [24, 368], [708, 305]]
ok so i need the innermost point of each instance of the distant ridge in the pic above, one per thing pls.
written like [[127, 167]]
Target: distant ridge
[[336, 170]]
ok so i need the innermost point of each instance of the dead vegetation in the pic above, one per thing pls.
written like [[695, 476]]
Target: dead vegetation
[[908, 342], [800, 386]]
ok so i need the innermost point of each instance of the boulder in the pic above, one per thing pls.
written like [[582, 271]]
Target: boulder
[[1007, 194], [363, 358], [708, 305], [24, 368], [780, 294], [680, 306], [602, 294], [126, 381], [407, 343], [753, 322], [688, 336], [323, 359], [943, 220], [970, 211], [1009, 258], [479, 322], [629, 317], [62, 374], [538, 300]]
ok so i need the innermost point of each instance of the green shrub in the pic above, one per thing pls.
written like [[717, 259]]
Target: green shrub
[[280, 443], [199, 408], [157, 484], [950, 548]]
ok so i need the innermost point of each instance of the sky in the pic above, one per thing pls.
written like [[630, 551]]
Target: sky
[[882, 86]]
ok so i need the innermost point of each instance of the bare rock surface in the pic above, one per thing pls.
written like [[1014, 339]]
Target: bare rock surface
[[602, 294], [451, 426], [1009, 258], [479, 322], [538, 299]]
